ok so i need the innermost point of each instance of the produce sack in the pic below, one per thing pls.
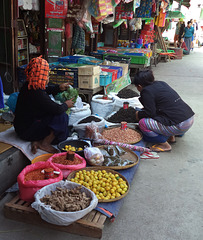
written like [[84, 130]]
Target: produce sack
[[59, 217], [101, 106], [77, 114], [133, 102], [27, 189], [94, 156], [67, 169], [82, 127]]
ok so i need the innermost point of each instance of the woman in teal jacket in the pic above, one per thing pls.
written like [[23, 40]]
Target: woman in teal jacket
[[189, 31]]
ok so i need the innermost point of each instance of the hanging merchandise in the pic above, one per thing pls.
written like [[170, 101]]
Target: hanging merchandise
[[135, 24], [115, 2], [27, 4], [56, 9], [145, 9], [136, 4], [110, 18], [160, 20], [99, 9]]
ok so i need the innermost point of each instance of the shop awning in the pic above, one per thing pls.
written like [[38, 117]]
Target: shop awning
[[185, 3], [174, 14]]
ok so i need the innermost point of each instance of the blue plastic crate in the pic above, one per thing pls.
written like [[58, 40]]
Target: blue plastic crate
[[119, 69], [105, 78], [134, 54], [21, 73], [70, 59], [58, 76], [90, 61]]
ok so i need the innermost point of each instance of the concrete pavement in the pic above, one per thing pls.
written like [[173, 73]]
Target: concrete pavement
[[166, 197]]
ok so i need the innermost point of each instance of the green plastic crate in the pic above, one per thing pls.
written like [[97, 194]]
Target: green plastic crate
[[134, 59]]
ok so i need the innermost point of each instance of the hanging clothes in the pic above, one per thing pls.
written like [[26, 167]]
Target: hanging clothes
[[144, 10]]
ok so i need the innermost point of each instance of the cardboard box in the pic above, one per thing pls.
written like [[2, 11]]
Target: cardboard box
[[89, 70], [89, 82], [125, 68]]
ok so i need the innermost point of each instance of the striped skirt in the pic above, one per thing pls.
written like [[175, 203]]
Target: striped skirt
[[152, 128]]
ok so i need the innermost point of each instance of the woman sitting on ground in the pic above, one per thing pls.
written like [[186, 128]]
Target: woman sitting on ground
[[37, 118], [164, 114]]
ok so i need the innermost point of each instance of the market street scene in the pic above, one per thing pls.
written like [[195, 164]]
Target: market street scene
[[100, 119]]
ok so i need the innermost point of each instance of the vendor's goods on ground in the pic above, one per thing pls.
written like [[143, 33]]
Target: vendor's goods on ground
[[67, 200], [82, 200], [102, 105], [108, 185], [83, 127], [128, 115], [40, 174], [71, 148], [117, 156], [93, 156], [116, 134], [67, 159], [67, 165], [90, 119], [28, 182], [127, 93]]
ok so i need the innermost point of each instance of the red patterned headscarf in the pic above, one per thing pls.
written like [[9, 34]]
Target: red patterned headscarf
[[37, 73]]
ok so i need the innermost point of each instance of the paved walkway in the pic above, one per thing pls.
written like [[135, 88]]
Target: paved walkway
[[166, 198]]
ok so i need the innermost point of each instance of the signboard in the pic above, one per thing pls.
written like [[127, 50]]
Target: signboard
[[56, 8], [117, 85]]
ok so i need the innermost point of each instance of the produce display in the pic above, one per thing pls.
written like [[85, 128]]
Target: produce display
[[123, 136], [71, 148], [38, 174], [112, 156], [127, 115], [66, 200], [106, 185], [127, 93], [67, 159], [70, 93], [90, 119]]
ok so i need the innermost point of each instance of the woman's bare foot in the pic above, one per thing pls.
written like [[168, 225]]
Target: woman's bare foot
[[161, 147], [45, 147], [44, 144], [34, 147], [171, 139]]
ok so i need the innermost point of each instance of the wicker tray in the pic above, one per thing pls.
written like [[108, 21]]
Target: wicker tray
[[128, 155], [109, 128], [72, 175]]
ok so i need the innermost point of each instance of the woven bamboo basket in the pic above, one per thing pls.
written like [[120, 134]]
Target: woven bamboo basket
[[138, 140], [128, 155], [72, 175]]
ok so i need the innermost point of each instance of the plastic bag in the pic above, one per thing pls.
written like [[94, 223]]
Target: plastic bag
[[93, 156], [82, 128], [27, 189], [58, 217], [67, 169], [92, 131]]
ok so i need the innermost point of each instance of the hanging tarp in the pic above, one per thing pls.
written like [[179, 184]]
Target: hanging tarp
[[174, 14]]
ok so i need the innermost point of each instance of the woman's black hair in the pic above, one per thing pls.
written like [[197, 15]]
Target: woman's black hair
[[189, 22], [143, 78]]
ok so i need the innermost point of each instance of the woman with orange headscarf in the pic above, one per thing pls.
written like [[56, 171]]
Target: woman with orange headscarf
[[37, 118]]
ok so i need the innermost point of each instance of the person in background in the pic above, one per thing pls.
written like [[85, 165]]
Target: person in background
[[189, 32], [78, 41], [182, 44], [176, 36], [164, 115], [37, 118], [182, 29]]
